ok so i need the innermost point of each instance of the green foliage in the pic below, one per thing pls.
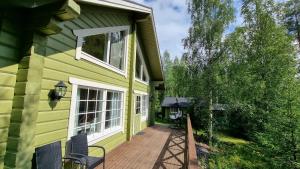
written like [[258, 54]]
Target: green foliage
[[204, 43], [175, 76], [237, 156], [254, 71]]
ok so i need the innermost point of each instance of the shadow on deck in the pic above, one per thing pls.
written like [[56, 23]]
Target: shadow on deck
[[173, 153], [155, 147]]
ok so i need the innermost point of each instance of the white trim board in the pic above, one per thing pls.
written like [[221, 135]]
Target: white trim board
[[95, 31], [138, 92], [119, 4], [82, 82]]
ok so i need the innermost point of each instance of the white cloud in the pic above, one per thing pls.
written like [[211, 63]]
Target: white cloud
[[172, 23]]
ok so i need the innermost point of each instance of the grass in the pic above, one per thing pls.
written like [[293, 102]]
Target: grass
[[233, 153], [230, 140], [162, 122]]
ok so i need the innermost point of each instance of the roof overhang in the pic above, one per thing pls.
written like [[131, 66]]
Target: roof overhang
[[146, 25], [121, 4]]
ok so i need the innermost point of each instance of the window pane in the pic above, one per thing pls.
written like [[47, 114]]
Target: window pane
[[99, 106], [138, 66], [107, 124], [109, 95], [144, 77], [100, 95], [98, 127], [82, 106], [92, 94], [119, 105], [108, 115], [95, 45], [90, 118], [117, 46], [83, 94], [116, 96], [108, 105], [81, 120], [92, 106], [99, 117], [118, 122]]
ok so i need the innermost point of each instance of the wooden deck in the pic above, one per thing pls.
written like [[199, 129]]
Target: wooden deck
[[154, 148]]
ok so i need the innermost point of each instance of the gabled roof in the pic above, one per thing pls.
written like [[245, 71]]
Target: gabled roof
[[187, 101], [176, 102], [147, 27]]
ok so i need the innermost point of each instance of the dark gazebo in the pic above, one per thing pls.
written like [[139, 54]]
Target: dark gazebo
[[174, 104]]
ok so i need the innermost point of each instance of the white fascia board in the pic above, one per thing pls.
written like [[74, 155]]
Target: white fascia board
[[157, 44], [121, 4]]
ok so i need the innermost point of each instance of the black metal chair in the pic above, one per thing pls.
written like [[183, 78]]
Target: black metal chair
[[49, 157], [79, 149]]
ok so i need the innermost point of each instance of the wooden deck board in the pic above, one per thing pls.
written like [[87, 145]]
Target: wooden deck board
[[158, 147]]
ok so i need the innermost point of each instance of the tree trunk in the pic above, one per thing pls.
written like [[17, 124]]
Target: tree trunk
[[210, 129]]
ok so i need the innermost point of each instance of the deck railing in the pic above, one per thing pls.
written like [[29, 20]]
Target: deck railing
[[191, 154]]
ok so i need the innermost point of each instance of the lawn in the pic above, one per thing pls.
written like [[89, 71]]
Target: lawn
[[233, 153]]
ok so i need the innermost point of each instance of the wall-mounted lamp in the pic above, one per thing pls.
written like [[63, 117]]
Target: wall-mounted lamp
[[59, 91]]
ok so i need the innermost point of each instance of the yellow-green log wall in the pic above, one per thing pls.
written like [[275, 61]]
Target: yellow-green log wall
[[60, 64], [9, 47]]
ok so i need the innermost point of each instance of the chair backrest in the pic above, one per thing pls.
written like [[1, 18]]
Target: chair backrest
[[79, 144], [48, 156], [179, 113]]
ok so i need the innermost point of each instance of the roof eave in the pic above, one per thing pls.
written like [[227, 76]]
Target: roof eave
[[121, 4]]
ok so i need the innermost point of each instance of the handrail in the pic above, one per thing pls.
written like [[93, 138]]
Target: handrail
[[191, 155]]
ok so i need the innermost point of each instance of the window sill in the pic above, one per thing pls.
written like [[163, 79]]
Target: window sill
[[97, 137], [141, 81], [99, 62]]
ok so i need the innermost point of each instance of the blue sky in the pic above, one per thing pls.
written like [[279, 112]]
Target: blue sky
[[173, 22]]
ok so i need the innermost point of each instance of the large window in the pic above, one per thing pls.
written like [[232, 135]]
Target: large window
[[96, 110], [142, 105], [91, 115], [104, 46], [141, 73]]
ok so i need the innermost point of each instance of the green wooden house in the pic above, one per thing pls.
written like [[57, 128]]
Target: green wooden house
[[104, 51]]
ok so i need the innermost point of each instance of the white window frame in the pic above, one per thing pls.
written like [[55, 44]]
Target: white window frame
[[140, 93], [143, 66], [96, 137], [81, 33]]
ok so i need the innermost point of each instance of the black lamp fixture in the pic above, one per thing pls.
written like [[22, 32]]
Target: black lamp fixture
[[59, 91]]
